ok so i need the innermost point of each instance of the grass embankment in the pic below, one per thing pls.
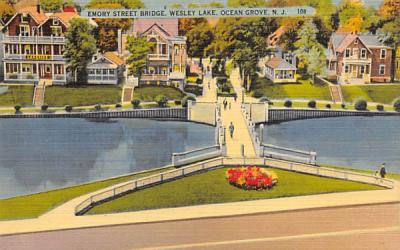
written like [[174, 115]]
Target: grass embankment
[[149, 93], [212, 187], [302, 89], [82, 96], [363, 171], [21, 95], [30, 206], [378, 93]]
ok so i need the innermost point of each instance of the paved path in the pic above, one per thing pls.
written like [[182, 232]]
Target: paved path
[[357, 227]]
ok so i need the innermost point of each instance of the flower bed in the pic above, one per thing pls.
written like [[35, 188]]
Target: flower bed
[[251, 178]]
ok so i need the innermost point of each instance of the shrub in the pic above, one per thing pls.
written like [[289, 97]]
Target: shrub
[[97, 107], [264, 99], [328, 106], [186, 99], [396, 104], [225, 88], [161, 100], [380, 107], [312, 104], [118, 105], [343, 106], [178, 102], [135, 103], [68, 108], [258, 93], [44, 107], [17, 108], [360, 104], [288, 104]]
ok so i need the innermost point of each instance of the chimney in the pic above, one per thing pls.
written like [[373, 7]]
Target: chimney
[[38, 6]]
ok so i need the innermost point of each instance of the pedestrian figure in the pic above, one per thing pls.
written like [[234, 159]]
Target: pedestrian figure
[[208, 84], [225, 103], [235, 97], [229, 105], [231, 129], [382, 170]]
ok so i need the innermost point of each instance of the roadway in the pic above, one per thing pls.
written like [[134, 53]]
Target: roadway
[[356, 227]]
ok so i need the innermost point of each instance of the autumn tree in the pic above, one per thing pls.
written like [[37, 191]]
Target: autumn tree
[[198, 39], [80, 48], [354, 15], [6, 10]]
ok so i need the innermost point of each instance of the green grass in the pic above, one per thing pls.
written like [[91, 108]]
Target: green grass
[[30, 206], [22, 95], [212, 187], [303, 89], [82, 96], [379, 93], [363, 171], [149, 93]]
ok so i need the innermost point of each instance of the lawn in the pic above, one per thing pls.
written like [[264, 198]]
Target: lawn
[[364, 171], [378, 93], [21, 95], [30, 206], [149, 93], [212, 187], [82, 96], [302, 89]]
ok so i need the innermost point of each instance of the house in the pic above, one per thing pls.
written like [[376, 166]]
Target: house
[[107, 68], [166, 62], [278, 70], [358, 59], [33, 46]]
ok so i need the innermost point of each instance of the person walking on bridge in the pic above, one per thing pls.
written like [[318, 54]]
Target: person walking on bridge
[[382, 170], [231, 129]]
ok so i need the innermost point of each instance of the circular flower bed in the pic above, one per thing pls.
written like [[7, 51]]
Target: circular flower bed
[[251, 178]]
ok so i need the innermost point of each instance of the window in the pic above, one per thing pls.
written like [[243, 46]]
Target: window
[[104, 72], [111, 71], [347, 53], [26, 68], [24, 30], [381, 70], [48, 69], [383, 53], [362, 69], [98, 71], [24, 18], [346, 69], [58, 69], [55, 21], [56, 30], [363, 53]]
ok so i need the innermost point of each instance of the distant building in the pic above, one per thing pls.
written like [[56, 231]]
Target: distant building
[[358, 59], [166, 63], [397, 65], [33, 46], [105, 69], [278, 70]]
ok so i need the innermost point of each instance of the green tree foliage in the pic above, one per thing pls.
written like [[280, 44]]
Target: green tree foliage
[[138, 47], [354, 15], [107, 30], [6, 10], [198, 39], [246, 3], [311, 54], [79, 49], [51, 5]]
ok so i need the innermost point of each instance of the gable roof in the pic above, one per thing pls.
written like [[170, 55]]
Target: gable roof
[[341, 40], [169, 25], [114, 58], [31, 10], [280, 64]]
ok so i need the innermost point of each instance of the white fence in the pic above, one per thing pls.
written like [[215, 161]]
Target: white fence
[[184, 158], [219, 162], [283, 153]]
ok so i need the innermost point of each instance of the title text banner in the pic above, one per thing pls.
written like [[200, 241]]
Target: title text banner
[[199, 12]]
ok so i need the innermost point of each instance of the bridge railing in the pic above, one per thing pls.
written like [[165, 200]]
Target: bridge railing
[[183, 158], [144, 182], [215, 163], [251, 126], [283, 153]]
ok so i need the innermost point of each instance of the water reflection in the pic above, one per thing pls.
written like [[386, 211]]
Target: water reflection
[[359, 142], [42, 154]]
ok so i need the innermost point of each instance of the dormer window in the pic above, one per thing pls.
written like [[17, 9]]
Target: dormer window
[[56, 21], [24, 18]]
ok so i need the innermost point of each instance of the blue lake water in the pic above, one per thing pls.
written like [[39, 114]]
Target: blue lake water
[[43, 154], [358, 142]]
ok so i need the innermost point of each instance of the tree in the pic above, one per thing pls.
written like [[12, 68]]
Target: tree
[[389, 8], [310, 53], [51, 5], [80, 48], [357, 17], [138, 47], [107, 30], [6, 10], [198, 39], [246, 3]]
